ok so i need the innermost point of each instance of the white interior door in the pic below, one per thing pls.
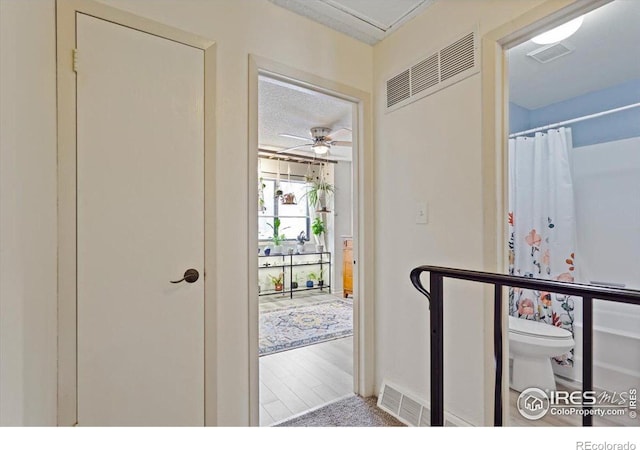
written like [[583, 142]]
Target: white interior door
[[140, 224]]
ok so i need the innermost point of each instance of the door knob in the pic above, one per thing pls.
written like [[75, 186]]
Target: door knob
[[190, 276]]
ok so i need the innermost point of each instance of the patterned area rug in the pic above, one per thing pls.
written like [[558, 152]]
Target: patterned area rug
[[304, 325]]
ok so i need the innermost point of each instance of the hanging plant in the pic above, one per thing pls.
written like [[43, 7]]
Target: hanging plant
[[308, 177], [261, 185], [318, 192], [278, 191], [289, 198]]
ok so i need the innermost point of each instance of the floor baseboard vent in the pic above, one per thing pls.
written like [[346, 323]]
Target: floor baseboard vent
[[410, 409]]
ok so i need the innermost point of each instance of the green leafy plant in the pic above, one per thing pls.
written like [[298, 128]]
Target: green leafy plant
[[261, 186], [315, 190], [277, 237], [318, 227], [310, 277], [278, 281], [316, 276]]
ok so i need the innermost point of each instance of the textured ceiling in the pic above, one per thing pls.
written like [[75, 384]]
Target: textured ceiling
[[289, 109], [369, 21], [606, 53]]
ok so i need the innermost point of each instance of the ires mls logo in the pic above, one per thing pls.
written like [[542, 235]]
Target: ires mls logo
[[633, 403], [534, 403]]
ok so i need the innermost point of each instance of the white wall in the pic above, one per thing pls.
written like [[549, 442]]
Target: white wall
[[606, 181], [240, 28], [430, 151], [27, 213], [607, 193]]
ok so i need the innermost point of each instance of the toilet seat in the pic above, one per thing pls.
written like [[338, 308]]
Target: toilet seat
[[531, 328]]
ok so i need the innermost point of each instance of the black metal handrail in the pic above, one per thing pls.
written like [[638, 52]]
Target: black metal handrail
[[436, 307]]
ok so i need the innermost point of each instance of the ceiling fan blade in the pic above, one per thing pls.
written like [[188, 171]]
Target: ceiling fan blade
[[292, 136], [341, 143], [340, 130], [294, 148]]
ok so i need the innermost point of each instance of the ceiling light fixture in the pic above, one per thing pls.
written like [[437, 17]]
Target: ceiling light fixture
[[320, 148], [559, 33]]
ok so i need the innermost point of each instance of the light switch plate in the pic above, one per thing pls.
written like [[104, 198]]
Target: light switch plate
[[422, 213]]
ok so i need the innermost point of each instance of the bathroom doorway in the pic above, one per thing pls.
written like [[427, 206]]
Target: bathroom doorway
[[574, 204]]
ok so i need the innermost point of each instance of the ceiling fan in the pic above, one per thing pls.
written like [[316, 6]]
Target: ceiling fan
[[320, 141]]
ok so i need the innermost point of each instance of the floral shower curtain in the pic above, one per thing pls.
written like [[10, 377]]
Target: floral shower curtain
[[542, 226]]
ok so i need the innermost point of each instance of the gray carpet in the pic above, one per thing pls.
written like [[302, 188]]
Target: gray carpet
[[352, 411]]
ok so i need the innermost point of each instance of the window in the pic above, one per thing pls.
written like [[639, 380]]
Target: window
[[293, 218]]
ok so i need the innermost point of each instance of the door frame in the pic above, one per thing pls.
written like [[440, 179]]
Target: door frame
[[495, 164], [66, 10], [363, 239]]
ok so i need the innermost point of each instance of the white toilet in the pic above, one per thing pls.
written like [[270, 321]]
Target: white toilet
[[532, 345]]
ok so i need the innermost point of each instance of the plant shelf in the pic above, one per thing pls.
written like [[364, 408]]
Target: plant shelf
[[288, 263]]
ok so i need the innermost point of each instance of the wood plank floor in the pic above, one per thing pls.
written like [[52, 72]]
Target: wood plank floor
[[298, 380]]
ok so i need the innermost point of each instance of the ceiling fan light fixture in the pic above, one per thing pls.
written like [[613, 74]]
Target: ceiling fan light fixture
[[320, 148], [560, 33]]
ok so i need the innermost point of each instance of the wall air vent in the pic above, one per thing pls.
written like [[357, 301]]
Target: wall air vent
[[457, 57], [450, 64], [425, 74], [551, 52], [409, 409], [398, 89]]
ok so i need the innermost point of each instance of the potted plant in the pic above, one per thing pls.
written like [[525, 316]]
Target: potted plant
[[277, 237], [300, 245], [289, 199], [261, 185], [277, 243], [318, 193], [318, 228], [278, 282], [294, 283], [278, 192], [320, 278], [310, 278]]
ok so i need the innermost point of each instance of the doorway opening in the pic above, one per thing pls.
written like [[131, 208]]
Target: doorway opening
[[573, 171], [305, 221]]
